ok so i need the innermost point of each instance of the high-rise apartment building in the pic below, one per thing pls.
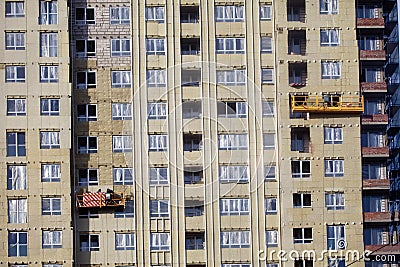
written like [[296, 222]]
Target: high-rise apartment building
[[195, 133]]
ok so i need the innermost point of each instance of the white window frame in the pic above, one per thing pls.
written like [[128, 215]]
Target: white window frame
[[91, 244], [303, 239], [329, 7], [332, 37], [268, 108], [334, 200], [88, 180], [265, 12], [48, 12], [158, 142], [157, 110], [16, 8], [120, 15], [231, 77], [16, 177], [121, 79], [160, 241], [85, 19], [20, 247], [15, 74], [122, 143], [335, 241], [50, 172], [271, 238], [86, 83], [123, 176], [301, 174], [233, 141], [50, 139], [16, 106], [153, 13], [232, 109], [334, 168], [266, 44], [49, 74], [52, 206], [85, 53], [236, 265], [49, 106], [230, 45], [302, 204], [330, 70], [87, 149], [267, 76], [267, 137], [52, 265], [333, 135], [127, 212], [157, 177], [87, 116], [51, 239], [121, 111], [270, 173], [124, 241], [159, 211], [235, 239], [233, 174], [234, 206], [231, 13], [48, 44], [15, 41], [155, 46], [156, 78], [17, 210], [120, 47], [270, 204]]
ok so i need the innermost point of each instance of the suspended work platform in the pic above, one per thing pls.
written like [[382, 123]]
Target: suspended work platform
[[327, 103], [100, 200]]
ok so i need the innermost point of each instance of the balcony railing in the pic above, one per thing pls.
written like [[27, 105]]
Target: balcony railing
[[327, 103]]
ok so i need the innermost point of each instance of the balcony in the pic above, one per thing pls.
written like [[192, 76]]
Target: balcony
[[393, 125], [370, 23], [327, 103], [373, 87], [377, 216], [372, 54], [375, 184], [374, 119], [375, 151], [384, 249]]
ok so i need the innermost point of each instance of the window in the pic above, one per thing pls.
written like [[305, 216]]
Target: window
[[266, 44], [301, 169], [155, 13], [233, 174], [15, 41], [160, 241], [48, 12], [268, 108], [48, 74], [334, 201], [121, 111], [304, 263], [84, 16], [18, 210], [329, 37], [16, 144], [265, 12], [236, 265], [49, 107], [157, 110], [85, 48], [334, 168], [192, 176], [374, 170], [124, 241], [88, 213], [270, 205], [158, 176], [127, 212], [301, 200], [87, 177], [48, 44], [271, 238], [375, 236], [373, 75], [302, 235], [159, 208], [123, 176], [373, 139], [235, 239], [52, 239], [374, 106], [89, 242], [119, 15], [52, 265], [230, 46], [232, 109], [271, 265], [231, 77], [328, 6], [86, 79], [373, 203], [16, 177], [87, 144], [121, 79], [51, 172], [158, 142], [17, 244], [234, 206], [330, 70], [16, 107], [120, 47], [333, 135], [267, 76], [15, 74], [87, 112], [337, 262], [15, 9], [367, 11], [232, 141], [229, 13], [156, 78], [51, 206], [155, 46], [49, 140], [336, 237], [269, 173], [269, 141], [369, 43]]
